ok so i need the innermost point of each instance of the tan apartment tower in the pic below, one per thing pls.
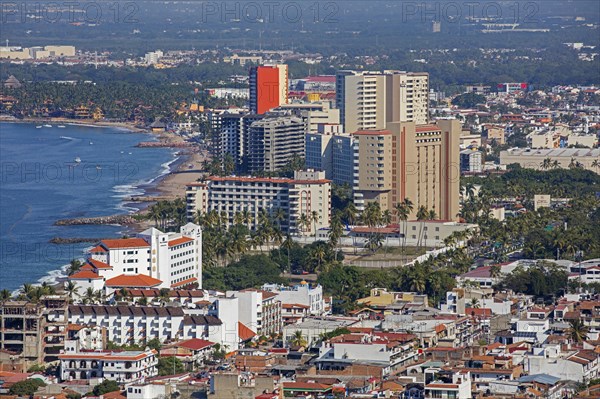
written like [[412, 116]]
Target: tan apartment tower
[[419, 162], [369, 100]]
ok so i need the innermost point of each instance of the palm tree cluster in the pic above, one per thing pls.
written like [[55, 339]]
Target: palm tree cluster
[[168, 215], [34, 293], [226, 240], [116, 100]]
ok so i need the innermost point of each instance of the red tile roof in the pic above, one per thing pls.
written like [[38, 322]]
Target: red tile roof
[[179, 241], [486, 312], [137, 280], [124, 243], [480, 272], [184, 282], [84, 275], [444, 386], [294, 305], [195, 344], [97, 248], [99, 265], [244, 332]]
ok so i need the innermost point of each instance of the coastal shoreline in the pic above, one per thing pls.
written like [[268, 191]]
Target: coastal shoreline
[[81, 122], [168, 184]]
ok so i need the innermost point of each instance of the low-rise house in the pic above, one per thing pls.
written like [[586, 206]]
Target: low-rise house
[[293, 312], [150, 390], [302, 294], [390, 351], [440, 384], [576, 365], [123, 367], [192, 352], [312, 328]]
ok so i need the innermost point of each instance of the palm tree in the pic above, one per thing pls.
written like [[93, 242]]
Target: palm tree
[[246, 218], [298, 339], [403, 210], [71, 289], [474, 304], [349, 214], [546, 164], [288, 244], [279, 216], [336, 230], [27, 290], [89, 296], [386, 217], [374, 242], [237, 218], [303, 222], [5, 295], [318, 255], [596, 164], [74, 266], [422, 215], [577, 331], [163, 295], [314, 216], [555, 164]]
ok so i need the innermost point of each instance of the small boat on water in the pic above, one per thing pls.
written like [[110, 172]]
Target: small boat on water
[[47, 125], [91, 142], [122, 152], [129, 153], [38, 127], [78, 160], [98, 167], [61, 126]]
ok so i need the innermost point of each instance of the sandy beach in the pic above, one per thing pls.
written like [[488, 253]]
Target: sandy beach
[[189, 170]]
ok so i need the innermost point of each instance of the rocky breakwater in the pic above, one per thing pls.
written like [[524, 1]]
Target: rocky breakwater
[[73, 240], [114, 219], [165, 144]]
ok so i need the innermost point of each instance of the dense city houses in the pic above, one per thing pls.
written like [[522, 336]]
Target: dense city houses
[[350, 235]]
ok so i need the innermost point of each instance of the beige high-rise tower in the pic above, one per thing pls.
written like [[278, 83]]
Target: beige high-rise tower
[[370, 100], [418, 162]]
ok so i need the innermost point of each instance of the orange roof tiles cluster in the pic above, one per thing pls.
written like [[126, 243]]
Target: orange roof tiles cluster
[[136, 280]]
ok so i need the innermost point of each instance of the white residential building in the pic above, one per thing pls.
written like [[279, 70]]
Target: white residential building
[[152, 259], [300, 294], [451, 386], [153, 57], [156, 390], [581, 366], [308, 192], [123, 367], [389, 350], [131, 324], [260, 311]]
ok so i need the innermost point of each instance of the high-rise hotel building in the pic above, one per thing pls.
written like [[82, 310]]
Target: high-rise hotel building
[[268, 87], [419, 162], [369, 100]]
